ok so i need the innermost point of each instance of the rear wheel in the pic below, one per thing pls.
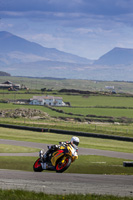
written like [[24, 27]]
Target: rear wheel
[[37, 167], [62, 166]]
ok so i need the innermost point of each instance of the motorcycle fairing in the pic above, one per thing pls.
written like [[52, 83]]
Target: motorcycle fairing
[[69, 151], [56, 155], [37, 163]]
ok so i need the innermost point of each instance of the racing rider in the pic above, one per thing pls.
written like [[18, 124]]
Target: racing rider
[[46, 156]]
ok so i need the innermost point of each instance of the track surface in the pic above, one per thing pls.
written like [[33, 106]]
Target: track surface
[[66, 183], [82, 151]]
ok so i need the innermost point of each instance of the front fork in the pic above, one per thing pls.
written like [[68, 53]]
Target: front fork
[[41, 154], [44, 164]]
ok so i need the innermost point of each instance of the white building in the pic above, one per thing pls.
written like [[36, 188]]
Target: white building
[[110, 87], [47, 100]]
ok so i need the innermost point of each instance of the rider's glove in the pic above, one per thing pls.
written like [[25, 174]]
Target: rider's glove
[[61, 143]]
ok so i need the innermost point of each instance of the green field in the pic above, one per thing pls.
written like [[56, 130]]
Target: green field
[[104, 108], [26, 195], [123, 129], [80, 110], [84, 165], [53, 138], [97, 107], [109, 106], [101, 112], [76, 100], [99, 101], [4, 148], [90, 164], [34, 83]]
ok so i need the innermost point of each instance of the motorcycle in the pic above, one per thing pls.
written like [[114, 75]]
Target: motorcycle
[[59, 160]]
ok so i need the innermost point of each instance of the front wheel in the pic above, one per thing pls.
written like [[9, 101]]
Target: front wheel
[[37, 167], [62, 166]]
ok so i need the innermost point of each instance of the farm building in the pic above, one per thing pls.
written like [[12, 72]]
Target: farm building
[[9, 85], [109, 87], [47, 100]]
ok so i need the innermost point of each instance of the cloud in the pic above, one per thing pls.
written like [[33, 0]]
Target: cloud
[[77, 13], [97, 7]]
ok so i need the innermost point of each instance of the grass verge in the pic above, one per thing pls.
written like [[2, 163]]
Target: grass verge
[[84, 165], [26, 195], [90, 164], [101, 128], [4, 148], [53, 138], [17, 163]]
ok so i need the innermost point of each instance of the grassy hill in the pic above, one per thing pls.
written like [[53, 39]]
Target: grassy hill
[[90, 85]]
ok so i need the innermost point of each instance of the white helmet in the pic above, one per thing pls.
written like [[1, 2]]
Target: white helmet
[[74, 141]]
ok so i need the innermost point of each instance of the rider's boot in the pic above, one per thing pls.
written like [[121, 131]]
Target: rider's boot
[[44, 165]]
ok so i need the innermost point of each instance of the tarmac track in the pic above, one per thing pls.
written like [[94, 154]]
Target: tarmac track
[[64, 183], [82, 151]]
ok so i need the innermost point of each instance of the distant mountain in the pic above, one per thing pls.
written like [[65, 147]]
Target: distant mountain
[[20, 57], [4, 74], [117, 56], [117, 64], [14, 49]]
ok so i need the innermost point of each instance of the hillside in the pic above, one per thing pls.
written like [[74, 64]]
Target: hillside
[[17, 50], [117, 56], [4, 74], [20, 57]]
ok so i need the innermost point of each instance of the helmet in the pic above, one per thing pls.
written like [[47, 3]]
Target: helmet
[[74, 141]]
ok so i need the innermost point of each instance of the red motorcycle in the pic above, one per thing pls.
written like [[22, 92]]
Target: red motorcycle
[[59, 160]]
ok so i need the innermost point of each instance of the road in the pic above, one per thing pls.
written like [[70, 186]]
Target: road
[[82, 151], [64, 183], [67, 183]]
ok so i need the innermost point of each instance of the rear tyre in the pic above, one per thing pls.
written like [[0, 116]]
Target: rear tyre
[[37, 167], [61, 167]]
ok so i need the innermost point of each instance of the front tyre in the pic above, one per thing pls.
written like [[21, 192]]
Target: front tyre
[[37, 167], [61, 167]]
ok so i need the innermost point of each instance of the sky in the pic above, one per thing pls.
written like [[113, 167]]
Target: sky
[[87, 28]]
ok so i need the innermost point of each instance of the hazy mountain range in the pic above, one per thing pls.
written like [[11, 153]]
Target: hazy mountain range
[[20, 57]]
